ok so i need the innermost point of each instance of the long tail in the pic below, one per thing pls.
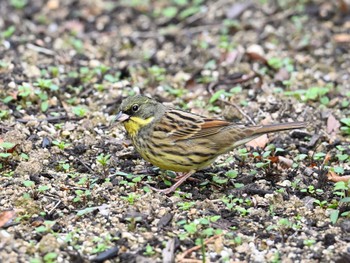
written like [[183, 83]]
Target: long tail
[[279, 127], [249, 133]]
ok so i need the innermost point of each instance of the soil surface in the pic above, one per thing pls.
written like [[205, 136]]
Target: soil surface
[[72, 187]]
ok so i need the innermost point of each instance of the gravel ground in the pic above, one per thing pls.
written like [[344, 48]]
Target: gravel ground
[[72, 188]]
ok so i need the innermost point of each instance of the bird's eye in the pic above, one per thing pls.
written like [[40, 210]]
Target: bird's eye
[[135, 108]]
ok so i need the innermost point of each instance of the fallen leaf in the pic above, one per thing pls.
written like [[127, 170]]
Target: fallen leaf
[[256, 57], [341, 38], [285, 161], [274, 159], [343, 6], [6, 217], [260, 141], [168, 252], [333, 125], [237, 9], [281, 75], [333, 177], [326, 158], [53, 4], [231, 57], [12, 149], [218, 245]]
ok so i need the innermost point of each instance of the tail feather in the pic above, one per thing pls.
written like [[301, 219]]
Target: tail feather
[[279, 127], [252, 132]]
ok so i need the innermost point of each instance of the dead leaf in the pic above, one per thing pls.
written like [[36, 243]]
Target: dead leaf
[[39, 221], [6, 217], [333, 177], [231, 56], [168, 251], [341, 38], [285, 161], [281, 75], [256, 57], [343, 6], [333, 125], [237, 9], [260, 141], [11, 150], [218, 245], [326, 158], [274, 159], [53, 4]]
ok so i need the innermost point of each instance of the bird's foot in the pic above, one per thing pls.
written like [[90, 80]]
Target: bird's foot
[[181, 180]]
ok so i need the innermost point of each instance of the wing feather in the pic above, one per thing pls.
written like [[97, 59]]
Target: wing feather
[[181, 125]]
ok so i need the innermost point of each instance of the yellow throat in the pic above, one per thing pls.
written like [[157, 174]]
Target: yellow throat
[[134, 124]]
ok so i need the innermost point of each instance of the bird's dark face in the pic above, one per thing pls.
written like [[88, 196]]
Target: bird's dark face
[[137, 111]]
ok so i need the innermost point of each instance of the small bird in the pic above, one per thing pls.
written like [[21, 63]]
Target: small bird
[[182, 141]]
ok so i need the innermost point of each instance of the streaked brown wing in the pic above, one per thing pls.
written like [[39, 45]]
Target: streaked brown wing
[[181, 125]]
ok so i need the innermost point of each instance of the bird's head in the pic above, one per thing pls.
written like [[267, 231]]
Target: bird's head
[[138, 111]]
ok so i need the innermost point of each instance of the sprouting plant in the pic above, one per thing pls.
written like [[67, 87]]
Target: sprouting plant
[[18, 4], [320, 203], [82, 196], [6, 149], [283, 225], [46, 84], [346, 126], [104, 161], [131, 198], [63, 166], [149, 251], [8, 32], [309, 242], [61, 144], [185, 205], [341, 189], [157, 73], [80, 111], [237, 204], [312, 190]]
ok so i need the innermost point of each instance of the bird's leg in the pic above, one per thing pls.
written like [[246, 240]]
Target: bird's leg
[[180, 175], [181, 180]]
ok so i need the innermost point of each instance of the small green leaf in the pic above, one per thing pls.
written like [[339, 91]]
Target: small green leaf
[[43, 188], [216, 96], [8, 99], [340, 186], [345, 200], [189, 12], [342, 157], [41, 229], [44, 106], [338, 170], [345, 121], [232, 174], [86, 211], [170, 11], [28, 183], [219, 180], [5, 155], [214, 218], [334, 215], [50, 257], [8, 32], [24, 156], [7, 145]]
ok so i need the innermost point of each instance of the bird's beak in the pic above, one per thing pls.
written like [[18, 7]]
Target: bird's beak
[[121, 117]]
